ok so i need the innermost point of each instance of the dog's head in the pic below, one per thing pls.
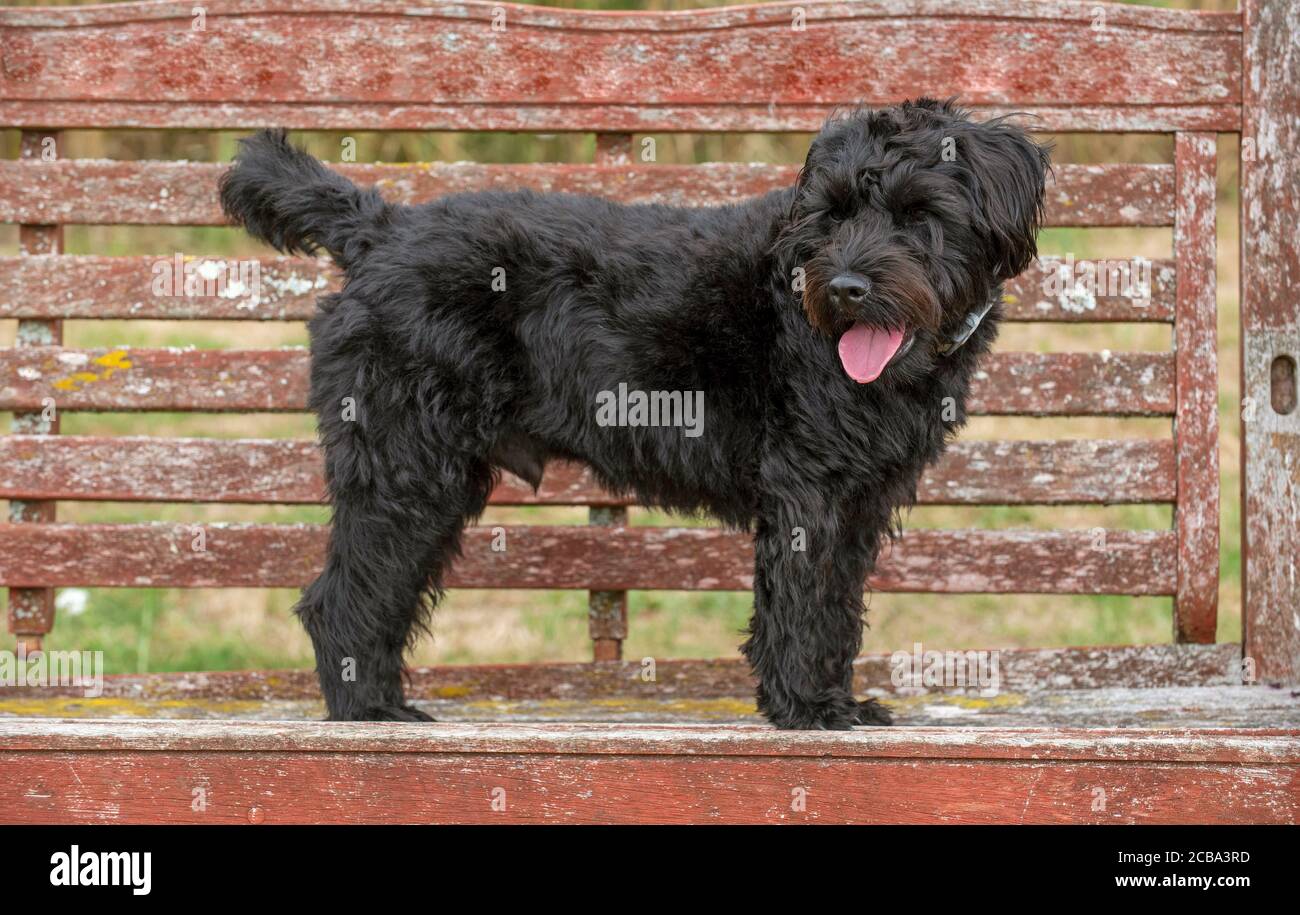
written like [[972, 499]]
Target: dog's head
[[903, 225]]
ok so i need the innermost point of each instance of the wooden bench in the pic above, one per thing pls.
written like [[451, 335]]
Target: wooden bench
[[1169, 733]]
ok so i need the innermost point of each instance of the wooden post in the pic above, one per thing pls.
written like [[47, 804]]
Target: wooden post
[[31, 610], [1270, 340], [607, 610], [1196, 422]]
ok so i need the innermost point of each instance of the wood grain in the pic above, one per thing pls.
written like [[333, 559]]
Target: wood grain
[[149, 469], [581, 557], [1270, 316], [31, 610], [96, 287], [1196, 426], [384, 65], [1152, 670], [185, 193], [129, 379], [292, 772]]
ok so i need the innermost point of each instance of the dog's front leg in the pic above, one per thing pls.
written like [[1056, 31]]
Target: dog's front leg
[[807, 624]]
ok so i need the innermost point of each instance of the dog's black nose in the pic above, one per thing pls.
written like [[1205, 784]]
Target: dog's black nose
[[849, 290]]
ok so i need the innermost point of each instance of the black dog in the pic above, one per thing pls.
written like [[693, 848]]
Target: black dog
[[833, 328]]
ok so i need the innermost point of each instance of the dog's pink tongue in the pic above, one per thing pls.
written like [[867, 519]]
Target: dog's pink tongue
[[865, 351]]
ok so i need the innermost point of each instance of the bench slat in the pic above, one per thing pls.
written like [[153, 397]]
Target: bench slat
[[704, 70], [1048, 384], [1032, 672], [88, 286], [1063, 742], [1084, 11], [132, 469], [556, 118], [76, 191], [583, 557]]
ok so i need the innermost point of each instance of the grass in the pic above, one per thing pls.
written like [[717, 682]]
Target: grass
[[142, 629]]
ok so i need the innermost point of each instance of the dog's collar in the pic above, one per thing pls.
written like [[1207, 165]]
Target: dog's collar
[[968, 327]]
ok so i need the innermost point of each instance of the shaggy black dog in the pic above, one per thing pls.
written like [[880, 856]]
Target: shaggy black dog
[[833, 328]]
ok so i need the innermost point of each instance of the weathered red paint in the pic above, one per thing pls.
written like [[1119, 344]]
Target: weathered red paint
[[1197, 423], [607, 610], [599, 558], [1081, 671], [555, 118], [443, 66], [128, 379], [115, 772], [1208, 745], [184, 193], [655, 21], [1270, 315], [151, 469], [31, 610], [89, 286]]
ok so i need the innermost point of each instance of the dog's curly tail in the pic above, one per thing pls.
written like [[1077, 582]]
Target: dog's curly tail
[[288, 199]]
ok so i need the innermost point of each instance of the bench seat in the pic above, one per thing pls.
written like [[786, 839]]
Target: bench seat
[[1182, 755], [599, 743], [1213, 707]]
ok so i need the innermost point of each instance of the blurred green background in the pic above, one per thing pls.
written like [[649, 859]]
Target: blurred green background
[[151, 630]]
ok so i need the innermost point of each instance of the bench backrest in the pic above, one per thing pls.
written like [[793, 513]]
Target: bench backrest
[[352, 65]]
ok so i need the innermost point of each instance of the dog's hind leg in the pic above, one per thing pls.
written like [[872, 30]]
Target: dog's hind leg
[[388, 551], [383, 572], [809, 580], [401, 495]]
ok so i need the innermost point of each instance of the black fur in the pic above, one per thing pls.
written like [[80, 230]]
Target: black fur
[[453, 381]]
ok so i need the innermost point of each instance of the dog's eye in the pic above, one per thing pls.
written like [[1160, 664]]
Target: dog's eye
[[837, 211]]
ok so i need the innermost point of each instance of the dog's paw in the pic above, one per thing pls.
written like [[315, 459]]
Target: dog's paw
[[875, 713], [839, 714]]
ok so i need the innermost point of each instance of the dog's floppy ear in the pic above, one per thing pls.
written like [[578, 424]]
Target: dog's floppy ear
[[816, 154], [786, 242], [1007, 171]]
